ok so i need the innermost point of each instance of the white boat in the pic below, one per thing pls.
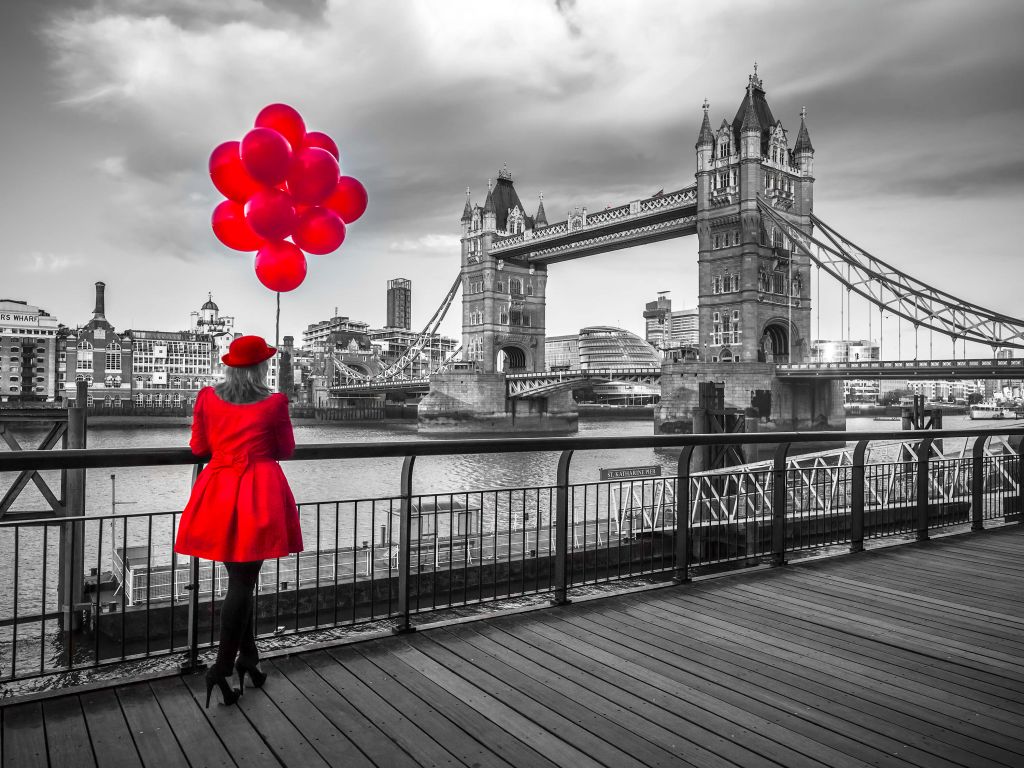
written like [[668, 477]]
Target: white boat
[[986, 411]]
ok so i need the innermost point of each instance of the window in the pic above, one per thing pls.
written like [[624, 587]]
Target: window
[[716, 285], [515, 286]]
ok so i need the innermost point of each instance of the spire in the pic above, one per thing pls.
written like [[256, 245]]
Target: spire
[[505, 173], [467, 212], [706, 137], [750, 121], [489, 203], [541, 219], [803, 138]]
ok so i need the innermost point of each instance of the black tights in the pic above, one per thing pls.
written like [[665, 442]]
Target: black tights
[[237, 631]]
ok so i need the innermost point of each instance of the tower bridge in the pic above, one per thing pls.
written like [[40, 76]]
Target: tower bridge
[[758, 241]]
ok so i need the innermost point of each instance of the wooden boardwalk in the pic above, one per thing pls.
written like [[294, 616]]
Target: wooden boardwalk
[[911, 655]]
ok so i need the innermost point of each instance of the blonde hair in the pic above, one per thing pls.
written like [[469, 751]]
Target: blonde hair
[[244, 384]]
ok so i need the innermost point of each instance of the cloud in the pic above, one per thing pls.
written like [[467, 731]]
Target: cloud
[[447, 245], [48, 263]]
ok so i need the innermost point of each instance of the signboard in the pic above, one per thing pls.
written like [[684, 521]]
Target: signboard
[[160, 377], [630, 473], [14, 317]]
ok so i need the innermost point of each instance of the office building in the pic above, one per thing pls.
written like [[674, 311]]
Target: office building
[[400, 303], [28, 353]]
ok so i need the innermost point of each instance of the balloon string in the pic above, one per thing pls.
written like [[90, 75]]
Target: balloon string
[[277, 323]]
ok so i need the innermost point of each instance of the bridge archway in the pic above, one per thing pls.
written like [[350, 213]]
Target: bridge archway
[[775, 342], [510, 359]]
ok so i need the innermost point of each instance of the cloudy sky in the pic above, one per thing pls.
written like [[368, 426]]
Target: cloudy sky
[[111, 108]]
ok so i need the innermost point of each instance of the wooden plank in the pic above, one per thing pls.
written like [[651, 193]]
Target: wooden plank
[[111, 738], [330, 743], [564, 698], [494, 708], [195, 735], [930, 744], [243, 743], [67, 737], [536, 656], [342, 714], [286, 741], [863, 664], [795, 729], [953, 624], [419, 744], [466, 718], [918, 690], [24, 742], [462, 744], [154, 740]]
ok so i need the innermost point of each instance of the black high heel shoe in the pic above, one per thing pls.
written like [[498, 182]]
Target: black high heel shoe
[[258, 676], [230, 695]]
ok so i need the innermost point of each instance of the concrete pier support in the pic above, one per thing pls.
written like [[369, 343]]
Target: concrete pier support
[[771, 404], [467, 402]]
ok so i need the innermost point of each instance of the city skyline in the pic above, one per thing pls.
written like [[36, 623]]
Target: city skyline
[[113, 108]]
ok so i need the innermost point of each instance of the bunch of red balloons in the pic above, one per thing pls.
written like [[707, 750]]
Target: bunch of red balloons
[[281, 181]]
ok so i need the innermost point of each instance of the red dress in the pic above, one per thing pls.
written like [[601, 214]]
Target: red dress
[[241, 507]]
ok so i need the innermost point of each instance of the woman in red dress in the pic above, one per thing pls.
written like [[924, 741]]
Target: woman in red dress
[[241, 511]]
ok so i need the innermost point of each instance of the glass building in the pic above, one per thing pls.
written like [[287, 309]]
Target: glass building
[[602, 347]]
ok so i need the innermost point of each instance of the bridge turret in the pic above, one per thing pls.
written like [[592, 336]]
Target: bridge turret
[[490, 222], [541, 219], [467, 214], [750, 128], [803, 151], [705, 142]]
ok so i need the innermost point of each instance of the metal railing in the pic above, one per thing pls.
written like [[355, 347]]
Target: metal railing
[[398, 557]]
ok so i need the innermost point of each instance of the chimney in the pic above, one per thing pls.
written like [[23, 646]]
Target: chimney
[[97, 313]]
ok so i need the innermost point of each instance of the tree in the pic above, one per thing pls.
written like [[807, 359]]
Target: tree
[[974, 398], [894, 397]]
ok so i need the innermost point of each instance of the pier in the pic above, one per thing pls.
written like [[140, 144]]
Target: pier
[[906, 655], [729, 646]]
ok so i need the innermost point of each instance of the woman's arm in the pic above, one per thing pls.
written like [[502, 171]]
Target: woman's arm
[[283, 429], [200, 443]]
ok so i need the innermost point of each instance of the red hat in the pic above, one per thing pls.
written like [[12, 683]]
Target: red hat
[[248, 350]]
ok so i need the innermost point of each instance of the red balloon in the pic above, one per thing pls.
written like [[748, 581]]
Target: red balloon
[[319, 230], [322, 140], [285, 120], [266, 155], [348, 199], [231, 228], [270, 214], [280, 266], [313, 175], [229, 175]]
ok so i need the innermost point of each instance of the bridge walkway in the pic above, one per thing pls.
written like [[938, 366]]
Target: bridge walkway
[[908, 655]]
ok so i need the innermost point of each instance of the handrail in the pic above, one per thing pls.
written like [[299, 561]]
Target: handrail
[[96, 458]]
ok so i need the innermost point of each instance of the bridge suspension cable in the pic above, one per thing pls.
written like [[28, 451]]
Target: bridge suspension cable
[[897, 293], [396, 369]]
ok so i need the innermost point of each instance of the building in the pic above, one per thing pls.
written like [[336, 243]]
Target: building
[[666, 329], [28, 353], [146, 368], [562, 353], [391, 345], [846, 351], [400, 303], [602, 347]]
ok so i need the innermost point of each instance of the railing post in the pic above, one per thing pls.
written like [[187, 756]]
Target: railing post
[[978, 483], [857, 497], [405, 547], [683, 546], [562, 528], [923, 454], [779, 497], [1017, 444], [71, 561], [191, 662]]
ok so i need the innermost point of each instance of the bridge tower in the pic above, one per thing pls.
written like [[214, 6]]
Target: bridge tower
[[754, 292], [754, 300], [502, 299]]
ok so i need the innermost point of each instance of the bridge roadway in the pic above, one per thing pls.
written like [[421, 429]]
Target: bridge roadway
[[910, 655], [545, 383]]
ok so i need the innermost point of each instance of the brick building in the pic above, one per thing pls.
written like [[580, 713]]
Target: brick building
[[28, 353]]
